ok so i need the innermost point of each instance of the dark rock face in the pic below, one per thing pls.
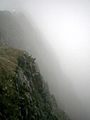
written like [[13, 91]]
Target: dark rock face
[[23, 93]]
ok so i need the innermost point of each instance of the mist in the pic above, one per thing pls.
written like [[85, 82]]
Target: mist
[[56, 33]]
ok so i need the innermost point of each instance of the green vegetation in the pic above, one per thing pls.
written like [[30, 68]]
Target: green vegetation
[[23, 93]]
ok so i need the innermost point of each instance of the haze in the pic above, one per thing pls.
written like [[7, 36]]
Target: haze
[[59, 40]]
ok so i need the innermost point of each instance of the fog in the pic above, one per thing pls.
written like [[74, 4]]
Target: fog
[[56, 33]]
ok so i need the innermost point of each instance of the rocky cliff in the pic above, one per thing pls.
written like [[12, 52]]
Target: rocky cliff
[[23, 93]]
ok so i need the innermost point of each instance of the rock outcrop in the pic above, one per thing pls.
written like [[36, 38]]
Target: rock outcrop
[[23, 93]]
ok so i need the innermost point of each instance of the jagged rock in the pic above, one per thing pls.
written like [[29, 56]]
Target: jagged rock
[[23, 93]]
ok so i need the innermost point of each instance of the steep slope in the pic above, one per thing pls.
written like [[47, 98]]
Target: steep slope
[[10, 30], [23, 93]]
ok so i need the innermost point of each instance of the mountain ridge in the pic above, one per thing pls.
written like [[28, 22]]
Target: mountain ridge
[[23, 93]]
